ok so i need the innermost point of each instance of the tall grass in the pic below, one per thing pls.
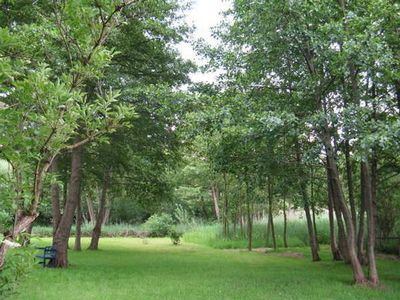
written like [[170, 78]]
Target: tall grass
[[111, 230], [297, 236]]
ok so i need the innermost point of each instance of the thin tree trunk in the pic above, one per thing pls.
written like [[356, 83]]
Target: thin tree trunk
[[78, 232], [350, 184], [94, 243], [306, 205], [215, 198], [249, 220], [370, 208], [285, 244], [313, 207], [89, 203], [334, 247], [270, 215], [61, 238], [361, 223], [225, 220], [55, 198]]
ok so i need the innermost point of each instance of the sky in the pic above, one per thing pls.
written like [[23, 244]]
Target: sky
[[204, 14]]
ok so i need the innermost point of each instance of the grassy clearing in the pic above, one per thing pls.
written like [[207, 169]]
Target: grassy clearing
[[128, 268]]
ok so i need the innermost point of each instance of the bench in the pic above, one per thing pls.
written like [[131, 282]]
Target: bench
[[49, 254]]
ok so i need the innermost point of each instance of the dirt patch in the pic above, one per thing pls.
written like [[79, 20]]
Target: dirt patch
[[292, 254]]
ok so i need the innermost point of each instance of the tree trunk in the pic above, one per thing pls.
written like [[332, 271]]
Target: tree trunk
[[78, 232], [22, 224], [215, 198], [334, 247], [225, 220], [306, 206], [342, 237], [370, 208], [361, 223], [94, 243], [285, 244], [60, 240], [55, 198], [89, 203], [270, 215], [249, 221], [358, 274], [350, 186]]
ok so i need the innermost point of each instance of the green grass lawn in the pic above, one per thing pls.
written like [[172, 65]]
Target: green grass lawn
[[128, 268]]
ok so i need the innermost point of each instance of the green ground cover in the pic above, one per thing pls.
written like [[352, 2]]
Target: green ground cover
[[131, 268]]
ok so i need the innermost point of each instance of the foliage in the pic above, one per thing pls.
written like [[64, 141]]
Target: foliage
[[19, 264], [159, 224], [175, 235]]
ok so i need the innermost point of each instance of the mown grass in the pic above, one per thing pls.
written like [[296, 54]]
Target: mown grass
[[130, 268]]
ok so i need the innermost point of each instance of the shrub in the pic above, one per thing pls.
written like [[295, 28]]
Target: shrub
[[175, 235], [159, 225], [18, 264]]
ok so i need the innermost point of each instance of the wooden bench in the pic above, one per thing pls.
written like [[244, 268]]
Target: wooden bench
[[49, 254]]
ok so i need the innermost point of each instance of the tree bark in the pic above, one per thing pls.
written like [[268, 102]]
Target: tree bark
[[215, 198], [78, 231], [270, 215], [225, 219], [350, 185], [334, 247], [22, 224], [94, 243], [249, 220], [63, 231], [358, 274], [55, 198], [89, 203], [370, 208], [285, 243]]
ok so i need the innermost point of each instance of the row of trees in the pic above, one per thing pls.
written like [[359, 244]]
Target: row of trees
[[308, 104]]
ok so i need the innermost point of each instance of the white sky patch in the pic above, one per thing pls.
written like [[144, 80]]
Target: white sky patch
[[204, 14]]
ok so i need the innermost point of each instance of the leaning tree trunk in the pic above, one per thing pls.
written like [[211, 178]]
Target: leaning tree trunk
[[61, 237], [361, 223], [215, 198], [22, 224], [358, 274], [370, 208], [94, 243]]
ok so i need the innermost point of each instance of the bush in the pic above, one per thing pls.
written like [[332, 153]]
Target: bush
[[159, 225], [18, 264], [175, 235]]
